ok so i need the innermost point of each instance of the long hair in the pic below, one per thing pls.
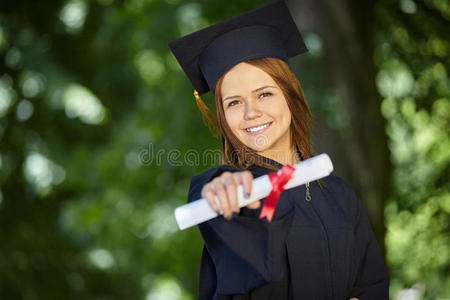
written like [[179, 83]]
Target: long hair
[[239, 155]]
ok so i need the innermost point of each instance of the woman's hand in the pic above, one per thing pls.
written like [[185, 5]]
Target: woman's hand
[[225, 188]]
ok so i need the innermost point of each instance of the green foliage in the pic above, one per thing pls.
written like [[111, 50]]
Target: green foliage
[[412, 56], [91, 104]]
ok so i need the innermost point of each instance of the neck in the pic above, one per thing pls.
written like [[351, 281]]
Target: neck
[[283, 157], [282, 151]]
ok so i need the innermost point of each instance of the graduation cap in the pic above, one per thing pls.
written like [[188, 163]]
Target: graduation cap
[[267, 31]]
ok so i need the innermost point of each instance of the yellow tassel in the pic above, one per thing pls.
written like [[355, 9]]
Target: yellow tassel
[[208, 116]]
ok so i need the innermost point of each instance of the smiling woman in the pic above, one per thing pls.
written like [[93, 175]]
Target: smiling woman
[[253, 112], [263, 93], [319, 243]]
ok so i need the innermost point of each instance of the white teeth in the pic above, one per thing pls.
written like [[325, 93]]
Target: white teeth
[[253, 129]]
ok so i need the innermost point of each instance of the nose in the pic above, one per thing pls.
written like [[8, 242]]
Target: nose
[[251, 111]]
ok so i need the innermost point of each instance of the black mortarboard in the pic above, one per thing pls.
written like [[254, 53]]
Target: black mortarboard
[[267, 31]]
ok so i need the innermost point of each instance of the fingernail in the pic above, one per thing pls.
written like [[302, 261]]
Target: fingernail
[[247, 195]]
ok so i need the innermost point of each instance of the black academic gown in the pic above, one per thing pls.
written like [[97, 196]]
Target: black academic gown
[[321, 249]]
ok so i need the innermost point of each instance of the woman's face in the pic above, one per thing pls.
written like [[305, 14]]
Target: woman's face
[[256, 109]]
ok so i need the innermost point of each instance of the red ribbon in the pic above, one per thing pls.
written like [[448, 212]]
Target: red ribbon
[[278, 182]]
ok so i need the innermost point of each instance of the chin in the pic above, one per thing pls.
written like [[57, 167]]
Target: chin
[[259, 145]]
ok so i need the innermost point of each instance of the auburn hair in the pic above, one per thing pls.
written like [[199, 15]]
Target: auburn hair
[[236, 153]]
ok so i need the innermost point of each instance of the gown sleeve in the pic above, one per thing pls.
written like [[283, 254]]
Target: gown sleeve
[[245, 252], [371, 274]]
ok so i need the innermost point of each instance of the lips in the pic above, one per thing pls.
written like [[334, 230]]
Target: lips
[[257, 129]]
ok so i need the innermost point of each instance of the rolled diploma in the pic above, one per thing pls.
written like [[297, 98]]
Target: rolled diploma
[[199, 211]]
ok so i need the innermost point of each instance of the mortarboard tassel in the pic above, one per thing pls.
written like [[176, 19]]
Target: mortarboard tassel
[[208, 116]]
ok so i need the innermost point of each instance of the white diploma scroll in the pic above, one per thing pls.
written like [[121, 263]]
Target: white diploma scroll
[[199, 211]]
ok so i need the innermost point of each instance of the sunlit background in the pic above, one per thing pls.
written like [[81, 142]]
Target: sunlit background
[[92, 102]]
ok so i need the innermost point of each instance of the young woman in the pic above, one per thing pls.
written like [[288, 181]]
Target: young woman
[[319, 244]]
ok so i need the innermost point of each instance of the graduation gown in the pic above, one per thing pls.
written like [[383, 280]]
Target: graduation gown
[[318, 249]]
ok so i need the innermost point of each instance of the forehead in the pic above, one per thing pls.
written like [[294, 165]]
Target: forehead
[[244, 78]]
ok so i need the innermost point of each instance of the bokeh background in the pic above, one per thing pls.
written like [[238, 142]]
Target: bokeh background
[[100, 135]]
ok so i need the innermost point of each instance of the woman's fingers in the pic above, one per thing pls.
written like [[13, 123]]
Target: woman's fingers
[[223, 198], [225, 188], [208, 194], [214, 192], [247, 180], [254, 205], [231, 188]]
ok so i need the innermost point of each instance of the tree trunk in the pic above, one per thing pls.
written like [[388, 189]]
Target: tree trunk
[[359, 152]]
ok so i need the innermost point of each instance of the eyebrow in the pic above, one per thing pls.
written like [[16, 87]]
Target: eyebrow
[[254, 91]]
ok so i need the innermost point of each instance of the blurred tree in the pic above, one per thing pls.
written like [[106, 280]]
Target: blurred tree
[[355, 139], [385, 64], [412, 56]]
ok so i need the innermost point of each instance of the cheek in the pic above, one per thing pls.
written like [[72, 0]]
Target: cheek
[[233, 120], [288, 116], [285, 113]]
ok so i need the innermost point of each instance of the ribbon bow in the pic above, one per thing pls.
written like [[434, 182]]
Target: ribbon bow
[[278, 182]]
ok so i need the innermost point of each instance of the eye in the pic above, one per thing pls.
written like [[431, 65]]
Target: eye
[[232, 103], [264, 95]]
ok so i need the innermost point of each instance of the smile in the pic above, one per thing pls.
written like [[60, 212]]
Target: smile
[[258, 129]]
